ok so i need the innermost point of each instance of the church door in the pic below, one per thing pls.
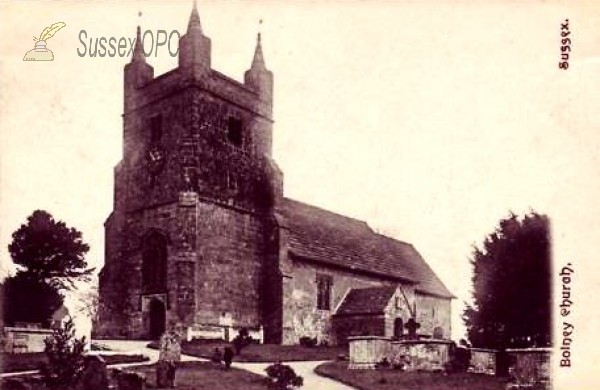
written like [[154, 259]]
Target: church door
[[398, 328], [158, 318]]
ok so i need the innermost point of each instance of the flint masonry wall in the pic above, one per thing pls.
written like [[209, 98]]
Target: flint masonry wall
[[433, 312], [300, 314], [302, 318]]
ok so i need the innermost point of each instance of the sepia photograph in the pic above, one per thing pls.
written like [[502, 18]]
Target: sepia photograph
[[375, 195]]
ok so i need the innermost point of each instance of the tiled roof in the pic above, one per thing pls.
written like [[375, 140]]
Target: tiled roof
[[370, 300], [320, 235]]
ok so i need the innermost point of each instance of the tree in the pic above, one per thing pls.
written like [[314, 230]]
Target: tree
[[512, 286], [65, 357], [27, 299], [89, 303], [50, 251]]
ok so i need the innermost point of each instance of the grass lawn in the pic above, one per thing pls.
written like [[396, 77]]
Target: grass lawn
[[189, 376], [266, 353], [207, 376], [398, 380], [15, 362]]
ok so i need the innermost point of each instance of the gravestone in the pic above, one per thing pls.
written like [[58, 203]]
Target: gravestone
[[412, 326], [227, 357], [95, 374], [130, 380], [168, 357]]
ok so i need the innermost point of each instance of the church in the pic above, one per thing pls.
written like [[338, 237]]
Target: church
[[202, 239]]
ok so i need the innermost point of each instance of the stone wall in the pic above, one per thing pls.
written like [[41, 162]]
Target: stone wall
[[366, 351], [483, 361], [21, 340], [433, 312], [420, 355], [229, 250], [410, 355], [530, 366], [301, 316], [214, 264]]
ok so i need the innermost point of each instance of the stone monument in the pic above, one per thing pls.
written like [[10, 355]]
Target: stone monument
[[169, 356], [412, 326], [95, 374]]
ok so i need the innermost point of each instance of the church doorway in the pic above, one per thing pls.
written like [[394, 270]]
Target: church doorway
[[398, 328], [158, 318]]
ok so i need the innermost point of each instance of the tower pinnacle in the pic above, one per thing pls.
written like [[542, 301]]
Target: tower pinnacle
[[258, 77], [194, 22], [138, 51], [258, 62], [194, 48]]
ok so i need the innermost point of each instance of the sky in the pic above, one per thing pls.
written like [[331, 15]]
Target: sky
[[429, 120]]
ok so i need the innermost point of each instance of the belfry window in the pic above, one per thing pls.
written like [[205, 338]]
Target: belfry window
[[324, 284], [234, 131]]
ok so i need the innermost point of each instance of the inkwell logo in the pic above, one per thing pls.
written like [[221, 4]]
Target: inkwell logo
[[40, 53]]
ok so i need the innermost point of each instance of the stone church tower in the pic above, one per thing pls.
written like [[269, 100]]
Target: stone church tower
[[192, 231]]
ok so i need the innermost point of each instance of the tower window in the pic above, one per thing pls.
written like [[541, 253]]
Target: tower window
[[234, 131], [324, 283], [154, 263], [156, 128]]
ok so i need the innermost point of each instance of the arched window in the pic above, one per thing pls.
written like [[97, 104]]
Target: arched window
[[154, 263], [398, 328]]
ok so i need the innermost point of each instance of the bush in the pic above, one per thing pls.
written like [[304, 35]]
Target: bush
[[242, 340], [65, 357], [383, 363], [309, 342], [283, 376]]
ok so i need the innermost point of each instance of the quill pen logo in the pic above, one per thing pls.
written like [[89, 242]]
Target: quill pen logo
[[40, 53]]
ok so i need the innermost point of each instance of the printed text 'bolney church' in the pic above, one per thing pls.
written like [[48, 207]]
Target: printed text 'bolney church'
[[202, 239]]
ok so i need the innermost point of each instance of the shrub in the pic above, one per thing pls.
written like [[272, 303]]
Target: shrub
[[383, 363], [284, 376], [309, 342], [242, 340], [65, 357]]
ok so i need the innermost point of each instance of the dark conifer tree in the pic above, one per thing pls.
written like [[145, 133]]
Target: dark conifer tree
[[51, 257], [512, 278], [50, 251]]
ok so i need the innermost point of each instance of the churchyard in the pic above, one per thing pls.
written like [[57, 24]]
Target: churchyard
[[264, 353], [190, 375], [368, 362], [207, 376], [393, 379], [214, 373]]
